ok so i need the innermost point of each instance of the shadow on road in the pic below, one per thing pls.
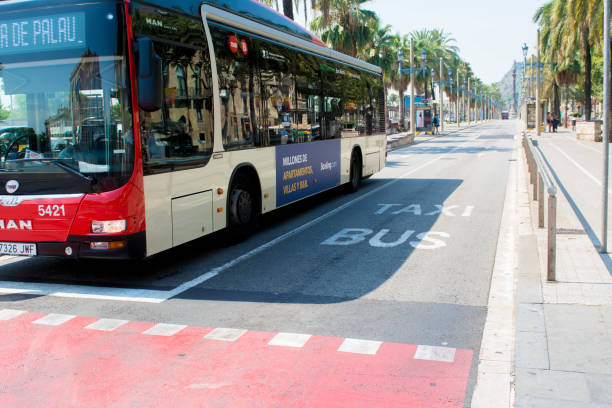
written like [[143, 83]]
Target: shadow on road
[[321, 264]]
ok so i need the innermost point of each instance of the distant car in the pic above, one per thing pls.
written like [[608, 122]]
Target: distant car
[[505, 115]]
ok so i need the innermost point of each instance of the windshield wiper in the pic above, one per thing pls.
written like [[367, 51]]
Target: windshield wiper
[[59, 162], [70, 169]]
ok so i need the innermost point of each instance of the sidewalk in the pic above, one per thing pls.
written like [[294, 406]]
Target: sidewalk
[[563, 345], [398, 140]]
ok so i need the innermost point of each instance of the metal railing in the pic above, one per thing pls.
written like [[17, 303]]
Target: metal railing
[[541, 181]]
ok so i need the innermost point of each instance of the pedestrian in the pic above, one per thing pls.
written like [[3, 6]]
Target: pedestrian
[[549, 121], [555, 123], [436, 123]]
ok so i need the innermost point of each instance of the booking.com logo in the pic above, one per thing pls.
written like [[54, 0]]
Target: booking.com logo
[[328, 166]]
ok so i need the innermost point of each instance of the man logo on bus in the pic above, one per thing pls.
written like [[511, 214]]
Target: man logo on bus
[[11, 186]]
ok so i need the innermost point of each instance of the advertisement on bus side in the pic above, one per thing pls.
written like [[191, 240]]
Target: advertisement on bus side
[[306, 169]]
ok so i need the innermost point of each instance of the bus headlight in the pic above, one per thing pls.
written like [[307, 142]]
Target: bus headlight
[[108, 227]]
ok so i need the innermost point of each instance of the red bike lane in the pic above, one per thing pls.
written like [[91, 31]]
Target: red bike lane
[[59, 360]]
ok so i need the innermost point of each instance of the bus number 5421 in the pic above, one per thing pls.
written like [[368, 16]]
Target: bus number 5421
[[51, 210]]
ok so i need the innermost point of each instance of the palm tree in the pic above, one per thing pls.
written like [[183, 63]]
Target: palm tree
[[437, 44], [569, 27], [344, 25]]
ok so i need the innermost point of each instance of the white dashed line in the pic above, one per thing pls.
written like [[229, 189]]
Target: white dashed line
[[163, 329], [290, 339], [54, 319], [433, 353], [106, 324], [8, 314], [360, 346], [225, 334]]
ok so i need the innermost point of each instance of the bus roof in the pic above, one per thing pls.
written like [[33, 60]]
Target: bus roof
[[250, 9]]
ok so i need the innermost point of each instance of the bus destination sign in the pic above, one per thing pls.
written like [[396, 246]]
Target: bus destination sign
[[39, 34]]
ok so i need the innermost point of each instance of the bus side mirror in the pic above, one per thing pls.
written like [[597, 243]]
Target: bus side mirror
[[150, 82]]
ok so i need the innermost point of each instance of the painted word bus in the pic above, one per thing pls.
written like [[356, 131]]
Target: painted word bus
[[133, 127]]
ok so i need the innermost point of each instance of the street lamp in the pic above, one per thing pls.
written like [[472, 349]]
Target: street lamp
[[432, 92], [449, 71], [525, 50], [423, 58]]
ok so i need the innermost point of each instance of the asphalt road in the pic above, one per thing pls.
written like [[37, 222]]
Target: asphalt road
[[406, 259]]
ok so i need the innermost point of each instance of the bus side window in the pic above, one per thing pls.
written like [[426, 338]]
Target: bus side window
[[307, 118], [238, 88], [277, 69], [179, 135]]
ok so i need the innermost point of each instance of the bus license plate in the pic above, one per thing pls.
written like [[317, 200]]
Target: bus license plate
[[17, 249]]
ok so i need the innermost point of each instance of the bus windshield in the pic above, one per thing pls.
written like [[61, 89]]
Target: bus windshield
[[64, 94]]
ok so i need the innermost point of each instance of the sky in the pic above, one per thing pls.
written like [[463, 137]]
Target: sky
[[489, 33]]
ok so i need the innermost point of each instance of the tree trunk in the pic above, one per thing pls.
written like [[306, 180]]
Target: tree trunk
[[288, 8], [556, 108], [566, 104], [402, 123], [587, 77]]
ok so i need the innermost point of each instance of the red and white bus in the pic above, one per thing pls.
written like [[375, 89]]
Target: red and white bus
[[133, 127]]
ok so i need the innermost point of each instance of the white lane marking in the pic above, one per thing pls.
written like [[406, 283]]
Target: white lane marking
[[360, 346], [468, 211], [216, 271], [164, 329], [434, 353], [84, 292], [225, 334], [106, 324], [290, 340], [159, 296], [577, 141], [8, 314], [582, 169], [54, 319]]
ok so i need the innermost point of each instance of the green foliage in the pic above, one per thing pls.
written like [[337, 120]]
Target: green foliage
[[4, 113]]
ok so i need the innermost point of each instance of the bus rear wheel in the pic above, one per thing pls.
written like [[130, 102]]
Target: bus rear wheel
[[355, 174]]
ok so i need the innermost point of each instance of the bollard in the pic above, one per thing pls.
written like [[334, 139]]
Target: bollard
[[552, 234], [540, 201]]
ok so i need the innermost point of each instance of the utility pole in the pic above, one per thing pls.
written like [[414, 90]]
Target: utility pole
[[514, 105], [606, 129], [469, 103], [412, 110], [441, 96], [457, 99], [538, 105]]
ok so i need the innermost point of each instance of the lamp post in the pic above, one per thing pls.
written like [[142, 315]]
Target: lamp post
[[433, 105], [463, 98], [441, 91], [538, 104], [525, 50], [457, 104], [449, 71], [606, 127], [469, 103], [476, 116], [411, 71], [412, 110]]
